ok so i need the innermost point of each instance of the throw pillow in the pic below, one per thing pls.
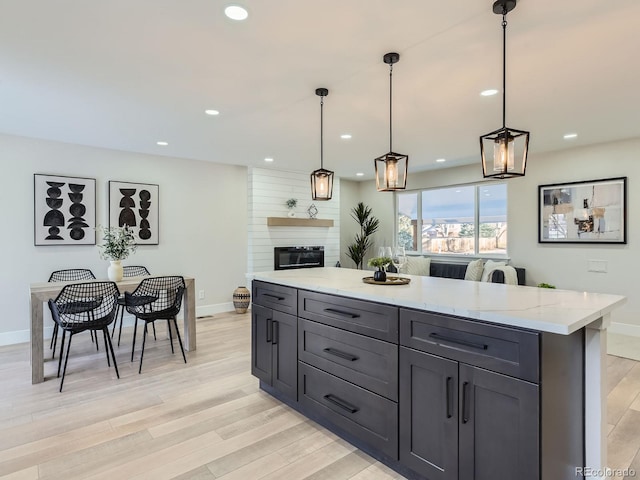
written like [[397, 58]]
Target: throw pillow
[[419, 266], [489, 267], [474, 270]]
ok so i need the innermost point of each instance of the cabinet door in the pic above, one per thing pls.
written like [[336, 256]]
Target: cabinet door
[[499, 433], [285, 354], [429, 414], [261, 337]]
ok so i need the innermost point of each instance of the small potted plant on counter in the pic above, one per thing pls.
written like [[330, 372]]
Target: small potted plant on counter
[[380, 263]]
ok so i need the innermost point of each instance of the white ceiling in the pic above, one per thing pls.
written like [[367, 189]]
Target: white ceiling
[[125, 74]]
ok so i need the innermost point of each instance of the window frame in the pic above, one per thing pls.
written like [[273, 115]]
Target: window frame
[[462, 258]]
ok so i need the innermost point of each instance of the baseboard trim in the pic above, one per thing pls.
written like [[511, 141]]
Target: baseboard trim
[[625, 329], [24, 336]]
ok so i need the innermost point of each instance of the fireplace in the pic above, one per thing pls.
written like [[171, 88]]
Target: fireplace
[[287, 258]]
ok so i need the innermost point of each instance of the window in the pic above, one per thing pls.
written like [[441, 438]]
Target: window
[[464, 220]]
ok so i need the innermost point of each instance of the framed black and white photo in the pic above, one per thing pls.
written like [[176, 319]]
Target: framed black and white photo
[[64, 210], [136, 205], [593, 211]]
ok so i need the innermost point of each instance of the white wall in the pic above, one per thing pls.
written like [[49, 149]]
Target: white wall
[[268, 190], [562, 265], [203, 222]]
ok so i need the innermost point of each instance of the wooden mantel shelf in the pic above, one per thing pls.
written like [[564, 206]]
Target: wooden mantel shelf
[[298, 222]]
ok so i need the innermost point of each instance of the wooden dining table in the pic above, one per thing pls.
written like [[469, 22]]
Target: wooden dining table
[[40, 293]]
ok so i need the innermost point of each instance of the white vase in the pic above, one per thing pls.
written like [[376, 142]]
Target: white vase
[[291, 213], [114, 272]]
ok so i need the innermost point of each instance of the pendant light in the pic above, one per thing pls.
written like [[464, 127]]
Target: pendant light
[[391, 168], [321, 179], [504, 152]]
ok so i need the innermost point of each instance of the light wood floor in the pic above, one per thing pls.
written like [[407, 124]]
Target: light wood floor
[[203, 420]]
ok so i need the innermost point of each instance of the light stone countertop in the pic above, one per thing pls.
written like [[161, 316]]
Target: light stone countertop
[[542, 309]]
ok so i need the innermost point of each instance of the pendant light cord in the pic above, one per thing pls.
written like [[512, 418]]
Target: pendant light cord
[[390, 106], [321, 129], [504, 67]]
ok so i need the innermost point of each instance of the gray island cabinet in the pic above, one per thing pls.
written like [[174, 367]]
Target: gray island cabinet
[[413, 377]]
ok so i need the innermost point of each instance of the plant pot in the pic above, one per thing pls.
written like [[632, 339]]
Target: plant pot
[[380, 276], [114, 272], [241, 299], [291, 213]]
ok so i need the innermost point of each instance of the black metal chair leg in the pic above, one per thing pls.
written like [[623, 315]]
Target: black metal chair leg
[[54, 339], [64, 332], [144, 338], [105, 334], [113, 331], [154, 330], [170, 336], [135, 330], [115, 364], [179, 340], [120, 329], [64, 370]]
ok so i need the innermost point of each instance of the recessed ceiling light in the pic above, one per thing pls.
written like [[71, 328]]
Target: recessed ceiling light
[[440, 160], [236, 12], [457, 191], [488, 93], [359, 174], [268, 159], [345, 136], [212, 112], [162, 144], [569, 136]]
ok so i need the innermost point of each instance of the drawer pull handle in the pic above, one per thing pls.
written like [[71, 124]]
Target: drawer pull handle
[[341, 313], [449, 397], [273, 296], [465, 402], [341, 354], [479, 346], [269, 330], [338, 402]]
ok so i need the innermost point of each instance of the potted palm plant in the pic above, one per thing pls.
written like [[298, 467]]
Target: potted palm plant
[[117, 244]]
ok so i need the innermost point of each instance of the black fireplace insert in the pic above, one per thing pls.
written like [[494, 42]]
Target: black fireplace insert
[[287, 258]]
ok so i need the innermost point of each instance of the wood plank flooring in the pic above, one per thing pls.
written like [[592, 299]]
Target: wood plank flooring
[[203, 420]]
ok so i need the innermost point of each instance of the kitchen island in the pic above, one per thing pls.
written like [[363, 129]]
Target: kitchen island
[[440, 378]]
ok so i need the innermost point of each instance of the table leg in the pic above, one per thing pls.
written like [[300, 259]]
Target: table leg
[[190, 315], [37, 339], [595, 377]]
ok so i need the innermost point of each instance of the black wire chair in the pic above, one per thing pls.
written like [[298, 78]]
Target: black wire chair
[[69, 275], [85, 306], [128, 271], [156, 298]]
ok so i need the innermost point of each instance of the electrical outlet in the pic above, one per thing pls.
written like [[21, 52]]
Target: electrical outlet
[[200, 294]]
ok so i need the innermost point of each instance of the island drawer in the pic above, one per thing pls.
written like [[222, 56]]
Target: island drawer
[[368, 318], [365, 415], [364, 361], [277, 297], [501, 349]]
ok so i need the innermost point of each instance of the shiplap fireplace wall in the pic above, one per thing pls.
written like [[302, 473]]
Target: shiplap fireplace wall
[[268, 190]]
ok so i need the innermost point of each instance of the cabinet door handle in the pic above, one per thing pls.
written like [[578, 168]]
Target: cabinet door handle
[[449, 397], [465, 402], [459, 341], [273, 296], [341, 354], [276, 332], [338, 402], [269, 330], [341, 313]]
